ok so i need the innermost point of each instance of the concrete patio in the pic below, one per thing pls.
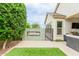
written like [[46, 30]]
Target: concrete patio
[[62, 45]]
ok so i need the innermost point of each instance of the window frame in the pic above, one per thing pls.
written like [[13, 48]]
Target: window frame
[[59, 27]]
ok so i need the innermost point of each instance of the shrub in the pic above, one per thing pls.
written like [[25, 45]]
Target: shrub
[[12, 20], [35, 25], [28, 25]]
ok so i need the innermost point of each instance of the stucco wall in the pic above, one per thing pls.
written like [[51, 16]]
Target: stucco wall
[[64, 9], [68, 26], [49, 19], [53, 22]]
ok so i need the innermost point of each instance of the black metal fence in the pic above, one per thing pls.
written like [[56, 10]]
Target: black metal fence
[[49, 32]]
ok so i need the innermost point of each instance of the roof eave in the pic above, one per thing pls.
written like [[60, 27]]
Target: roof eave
[[54, 12]]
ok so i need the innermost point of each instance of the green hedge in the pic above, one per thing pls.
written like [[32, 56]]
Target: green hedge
[[12, 20]]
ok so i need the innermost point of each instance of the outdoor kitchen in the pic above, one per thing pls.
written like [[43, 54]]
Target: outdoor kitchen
[[72, 38]]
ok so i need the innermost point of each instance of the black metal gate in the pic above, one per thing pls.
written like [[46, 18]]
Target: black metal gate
[[49, 32]]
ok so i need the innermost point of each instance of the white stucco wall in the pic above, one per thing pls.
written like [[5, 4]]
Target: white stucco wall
[[49, 19], [53, 22], [54, 26], [68, 26], [67, 9]]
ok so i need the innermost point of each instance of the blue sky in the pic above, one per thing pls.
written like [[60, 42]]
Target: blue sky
[[36, 13]]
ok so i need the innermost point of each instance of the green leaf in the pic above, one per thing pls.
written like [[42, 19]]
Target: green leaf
[[12, 20]]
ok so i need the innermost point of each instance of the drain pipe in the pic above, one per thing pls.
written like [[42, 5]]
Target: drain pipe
[[56, 7]]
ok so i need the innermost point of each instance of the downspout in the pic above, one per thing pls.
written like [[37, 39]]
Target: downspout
[[46, 18], [56, 7]]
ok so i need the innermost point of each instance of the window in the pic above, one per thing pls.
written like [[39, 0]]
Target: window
[[75, 25], [59, 27]]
